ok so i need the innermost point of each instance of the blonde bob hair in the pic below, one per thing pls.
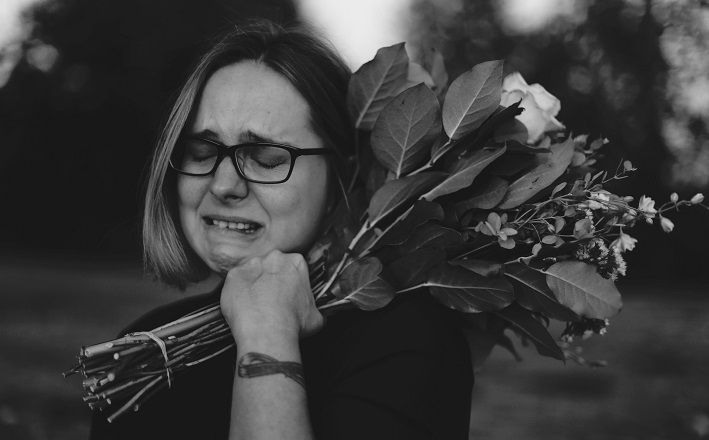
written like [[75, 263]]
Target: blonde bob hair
[[314, 69]]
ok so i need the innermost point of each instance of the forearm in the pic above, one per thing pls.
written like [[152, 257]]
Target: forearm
[[269, 398]]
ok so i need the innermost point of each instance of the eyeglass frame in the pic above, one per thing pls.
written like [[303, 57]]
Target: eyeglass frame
[[230, 150]]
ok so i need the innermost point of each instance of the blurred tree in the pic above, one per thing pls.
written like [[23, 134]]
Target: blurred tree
[[82, 108]]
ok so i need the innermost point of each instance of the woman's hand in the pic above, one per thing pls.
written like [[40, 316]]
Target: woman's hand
[[269, 306], [270, 295]]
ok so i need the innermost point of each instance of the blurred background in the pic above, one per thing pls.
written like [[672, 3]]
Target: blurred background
[[84, 85]]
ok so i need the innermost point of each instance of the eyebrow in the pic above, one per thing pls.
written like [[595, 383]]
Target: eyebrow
[[247, 136], [250, 136]]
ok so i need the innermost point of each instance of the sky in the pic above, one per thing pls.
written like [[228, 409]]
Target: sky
[[358, 28]]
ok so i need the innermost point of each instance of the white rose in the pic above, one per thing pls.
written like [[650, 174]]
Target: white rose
[[540, 106]]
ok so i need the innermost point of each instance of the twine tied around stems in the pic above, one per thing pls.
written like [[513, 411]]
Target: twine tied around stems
[[163, 348]]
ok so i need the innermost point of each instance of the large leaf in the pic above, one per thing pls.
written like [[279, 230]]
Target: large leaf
[[412, 268], [473, 140], [404, 131], [396, 193], [521, 147], [464, 171], [376, 178], [499, 118], [481, 267], [513, 163], [422, 212], [579, 287], [511, 131], [431, 235], [486, 194], [552, 166], [467, 291], [525, 323], [533, 293], [375, 83], [471, 98], [361, 285]]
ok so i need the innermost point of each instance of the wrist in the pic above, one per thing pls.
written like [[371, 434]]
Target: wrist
[[263, 336]]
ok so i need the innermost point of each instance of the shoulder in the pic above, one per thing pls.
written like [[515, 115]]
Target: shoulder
[[406, 365], [413, 322]]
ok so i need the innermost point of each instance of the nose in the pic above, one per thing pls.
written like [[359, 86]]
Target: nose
[[227, 184]]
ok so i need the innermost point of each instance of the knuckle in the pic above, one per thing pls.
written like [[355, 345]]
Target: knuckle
[[298, 261], [275, 254]]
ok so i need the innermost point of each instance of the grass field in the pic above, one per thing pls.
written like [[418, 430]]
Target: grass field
[[656, 387]]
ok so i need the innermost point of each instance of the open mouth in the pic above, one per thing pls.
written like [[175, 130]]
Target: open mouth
[[245, 227]]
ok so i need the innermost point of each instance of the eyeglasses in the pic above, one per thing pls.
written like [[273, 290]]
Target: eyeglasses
[[258, 162]]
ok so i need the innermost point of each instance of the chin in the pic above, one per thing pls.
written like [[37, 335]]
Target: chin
[[222, 260]]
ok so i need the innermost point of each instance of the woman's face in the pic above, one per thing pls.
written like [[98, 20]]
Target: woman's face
[[247, 102]]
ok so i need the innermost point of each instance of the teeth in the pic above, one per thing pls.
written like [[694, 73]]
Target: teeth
[[234, 225]]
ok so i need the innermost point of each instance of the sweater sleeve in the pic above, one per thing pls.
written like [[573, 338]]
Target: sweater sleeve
[[403, 372]]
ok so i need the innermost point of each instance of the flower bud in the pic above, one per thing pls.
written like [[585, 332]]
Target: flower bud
[[697, 199], [674, 198], [666, 224]]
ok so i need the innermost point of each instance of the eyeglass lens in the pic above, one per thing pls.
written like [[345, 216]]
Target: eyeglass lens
[[263, 163]]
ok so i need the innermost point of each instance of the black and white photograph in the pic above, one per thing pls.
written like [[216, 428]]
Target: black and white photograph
[[338, 219]]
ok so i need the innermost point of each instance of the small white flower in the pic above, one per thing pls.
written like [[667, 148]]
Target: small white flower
[[697, 199], [647, 206], [621, 266], [596, 201], [624, 242], [666, 224]]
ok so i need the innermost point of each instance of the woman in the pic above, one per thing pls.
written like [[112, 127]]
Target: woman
[[276, 98]]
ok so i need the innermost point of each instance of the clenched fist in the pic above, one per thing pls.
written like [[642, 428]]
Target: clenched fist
[[270, 295]]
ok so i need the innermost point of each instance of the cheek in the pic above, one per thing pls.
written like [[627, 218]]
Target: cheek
[[189, 196], [189, 192], [296, 211]]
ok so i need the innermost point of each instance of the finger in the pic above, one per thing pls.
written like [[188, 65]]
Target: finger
[[315, 322], [274, 261], [299, 262], [249, 270]]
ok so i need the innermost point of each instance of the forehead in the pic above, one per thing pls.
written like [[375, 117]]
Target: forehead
[[249, 97]]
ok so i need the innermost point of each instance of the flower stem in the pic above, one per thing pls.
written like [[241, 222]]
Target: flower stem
[[363, 230], [388, 228], [130, 403]]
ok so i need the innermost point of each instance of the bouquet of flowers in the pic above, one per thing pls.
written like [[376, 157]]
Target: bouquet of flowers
[[473, 191]]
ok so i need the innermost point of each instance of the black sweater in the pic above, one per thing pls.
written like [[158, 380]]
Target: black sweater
[[401, 372]]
